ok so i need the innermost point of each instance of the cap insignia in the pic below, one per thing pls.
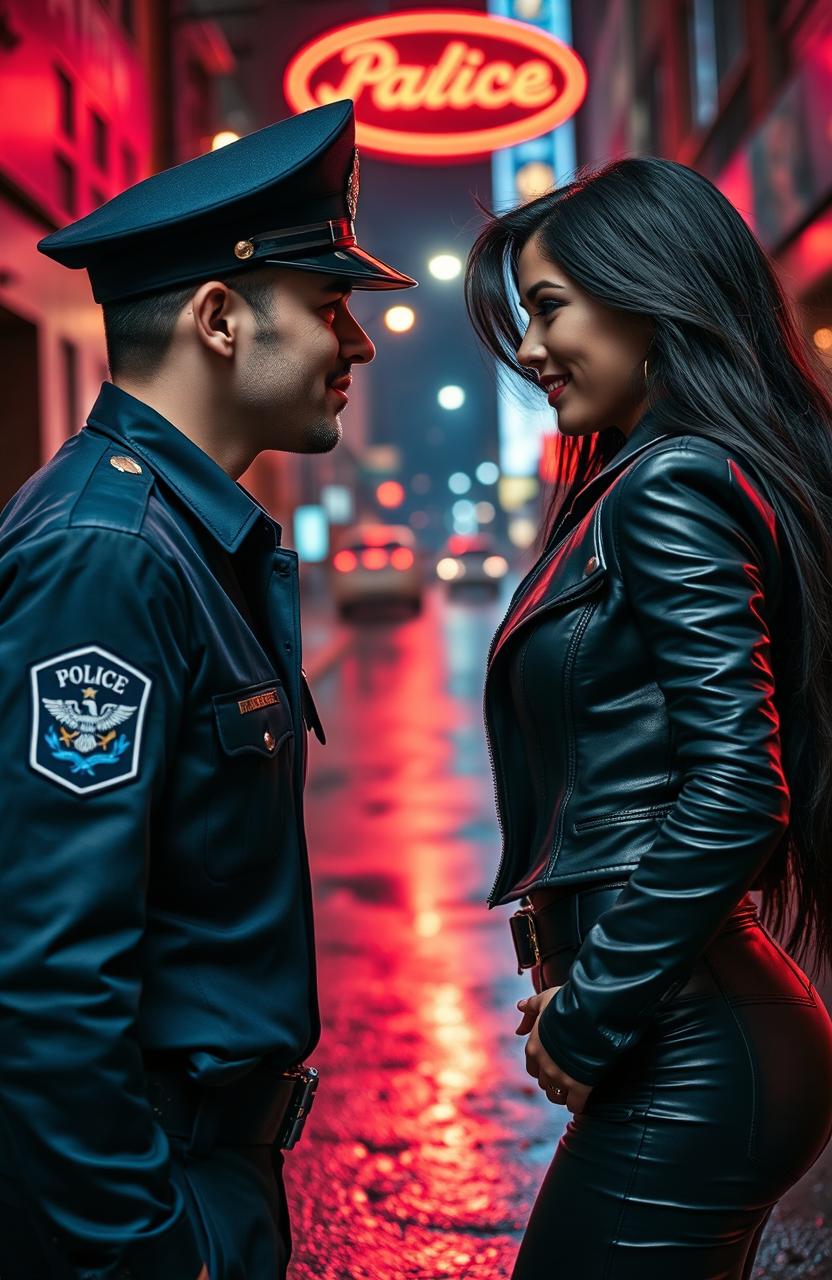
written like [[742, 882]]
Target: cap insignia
[[243, 249], [353, 183]]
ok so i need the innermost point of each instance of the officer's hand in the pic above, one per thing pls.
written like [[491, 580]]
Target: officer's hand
[[540, 1065]]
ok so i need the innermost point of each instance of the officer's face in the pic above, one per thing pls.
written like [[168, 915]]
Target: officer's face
[[295, 372], [570, 333]]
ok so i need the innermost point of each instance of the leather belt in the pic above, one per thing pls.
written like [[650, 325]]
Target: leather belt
[[263, 1108], [550, 937]]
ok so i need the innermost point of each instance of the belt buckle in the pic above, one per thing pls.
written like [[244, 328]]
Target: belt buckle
[[524, 937], [305, 1082]]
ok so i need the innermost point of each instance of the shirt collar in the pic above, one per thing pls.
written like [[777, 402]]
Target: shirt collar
[[223, 506]]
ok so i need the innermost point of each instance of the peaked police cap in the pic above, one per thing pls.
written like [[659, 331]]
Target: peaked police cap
[[285, 195]]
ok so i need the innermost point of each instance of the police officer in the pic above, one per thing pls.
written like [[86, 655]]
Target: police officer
[[157, 972]]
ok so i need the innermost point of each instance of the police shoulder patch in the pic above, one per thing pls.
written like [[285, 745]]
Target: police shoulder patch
[[88, 709]]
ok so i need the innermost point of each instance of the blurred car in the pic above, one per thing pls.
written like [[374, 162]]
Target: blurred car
[[471, 561], [376, 564]]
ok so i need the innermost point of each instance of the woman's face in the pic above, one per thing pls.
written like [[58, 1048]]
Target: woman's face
[[600, 351]]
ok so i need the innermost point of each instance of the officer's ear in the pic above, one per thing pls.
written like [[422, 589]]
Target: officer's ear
[[214, 314]]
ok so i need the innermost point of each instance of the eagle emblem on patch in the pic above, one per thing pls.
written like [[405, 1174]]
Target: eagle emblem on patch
[[353, 184], [88, 709]]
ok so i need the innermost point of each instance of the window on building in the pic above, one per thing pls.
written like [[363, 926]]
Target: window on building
[[69, 376], [655, 107], [67, 189], [66, 103], [729, 132], [729, 31], [716, 43], [129, 165], [100, 141]]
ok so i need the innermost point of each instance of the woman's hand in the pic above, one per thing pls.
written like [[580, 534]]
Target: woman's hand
[[540, 1065]]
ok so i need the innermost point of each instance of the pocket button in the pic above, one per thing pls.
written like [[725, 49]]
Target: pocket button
[[269, 740]]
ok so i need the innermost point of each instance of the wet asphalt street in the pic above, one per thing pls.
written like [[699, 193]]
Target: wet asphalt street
[[428, 1140]]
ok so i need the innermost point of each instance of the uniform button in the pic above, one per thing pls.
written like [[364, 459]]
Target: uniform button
[[268, 738], [123, 463], [591, 565]]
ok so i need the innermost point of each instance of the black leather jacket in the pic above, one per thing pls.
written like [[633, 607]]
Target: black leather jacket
[[631, 713]]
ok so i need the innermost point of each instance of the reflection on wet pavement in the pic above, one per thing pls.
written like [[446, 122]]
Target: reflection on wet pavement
[[428, 1140]]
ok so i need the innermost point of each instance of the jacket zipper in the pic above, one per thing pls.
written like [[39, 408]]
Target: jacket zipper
[[528, 581]]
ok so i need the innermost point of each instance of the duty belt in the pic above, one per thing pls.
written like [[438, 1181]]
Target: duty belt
[[263, 1108]]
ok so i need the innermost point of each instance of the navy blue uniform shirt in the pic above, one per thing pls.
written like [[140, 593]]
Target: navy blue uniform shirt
[[153, 869]]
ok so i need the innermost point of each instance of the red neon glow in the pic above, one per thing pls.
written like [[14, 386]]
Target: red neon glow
[[402, 558], [440, 84], [345, 561], [374, 558], [390, 494]]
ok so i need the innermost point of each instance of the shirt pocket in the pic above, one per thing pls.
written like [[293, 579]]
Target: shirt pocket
[[253, 816]]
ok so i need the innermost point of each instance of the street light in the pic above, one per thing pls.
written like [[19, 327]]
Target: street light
[[459, 482], [488, 473], [223, 138], [534, 179], [451, 397], [399, 319], [445, 266], [390, 494]]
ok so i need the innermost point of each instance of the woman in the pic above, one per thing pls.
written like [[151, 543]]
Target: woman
[[658, 703]]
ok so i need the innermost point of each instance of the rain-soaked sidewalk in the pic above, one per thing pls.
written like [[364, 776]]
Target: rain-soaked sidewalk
[[428, 1141]]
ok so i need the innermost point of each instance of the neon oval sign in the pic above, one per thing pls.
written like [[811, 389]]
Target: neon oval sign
[[440, 85]]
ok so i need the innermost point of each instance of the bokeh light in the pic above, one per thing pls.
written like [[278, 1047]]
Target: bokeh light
[[495, 566], [522, 531], [390, 494], [399, 319], [451, 397], [823, 339], [445, 266], [447, 569], [488, 473], [223, 138], [534, 179], [485, 512], [459, 482]]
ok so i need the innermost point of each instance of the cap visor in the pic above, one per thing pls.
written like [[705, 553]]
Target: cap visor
[[362, 269]]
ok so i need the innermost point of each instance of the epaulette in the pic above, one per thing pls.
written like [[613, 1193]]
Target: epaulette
[[116, 493]]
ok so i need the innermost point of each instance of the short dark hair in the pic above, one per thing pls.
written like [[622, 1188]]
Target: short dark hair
[[138, 331]]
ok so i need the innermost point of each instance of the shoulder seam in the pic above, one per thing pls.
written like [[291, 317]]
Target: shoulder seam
[[169, 566]]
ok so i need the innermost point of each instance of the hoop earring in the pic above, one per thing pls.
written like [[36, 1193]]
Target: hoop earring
[[646, 375]]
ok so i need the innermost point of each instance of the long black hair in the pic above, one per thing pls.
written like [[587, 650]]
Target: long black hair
[[727, 360]]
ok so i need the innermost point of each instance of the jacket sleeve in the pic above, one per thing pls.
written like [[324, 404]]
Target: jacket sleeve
[[696, 549], [77, 1128]]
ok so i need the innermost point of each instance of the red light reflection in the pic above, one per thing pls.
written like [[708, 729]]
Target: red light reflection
[[345, 561], [374, 558]]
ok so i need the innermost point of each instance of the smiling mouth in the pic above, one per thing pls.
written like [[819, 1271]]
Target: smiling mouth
[[555, 385]]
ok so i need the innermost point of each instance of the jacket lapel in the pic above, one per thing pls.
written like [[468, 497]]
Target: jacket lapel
[[572, 567]]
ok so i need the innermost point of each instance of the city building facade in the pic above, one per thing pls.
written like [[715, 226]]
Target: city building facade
[[740, 90]]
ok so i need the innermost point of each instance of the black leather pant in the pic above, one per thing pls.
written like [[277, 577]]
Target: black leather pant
[[672, 1170]]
